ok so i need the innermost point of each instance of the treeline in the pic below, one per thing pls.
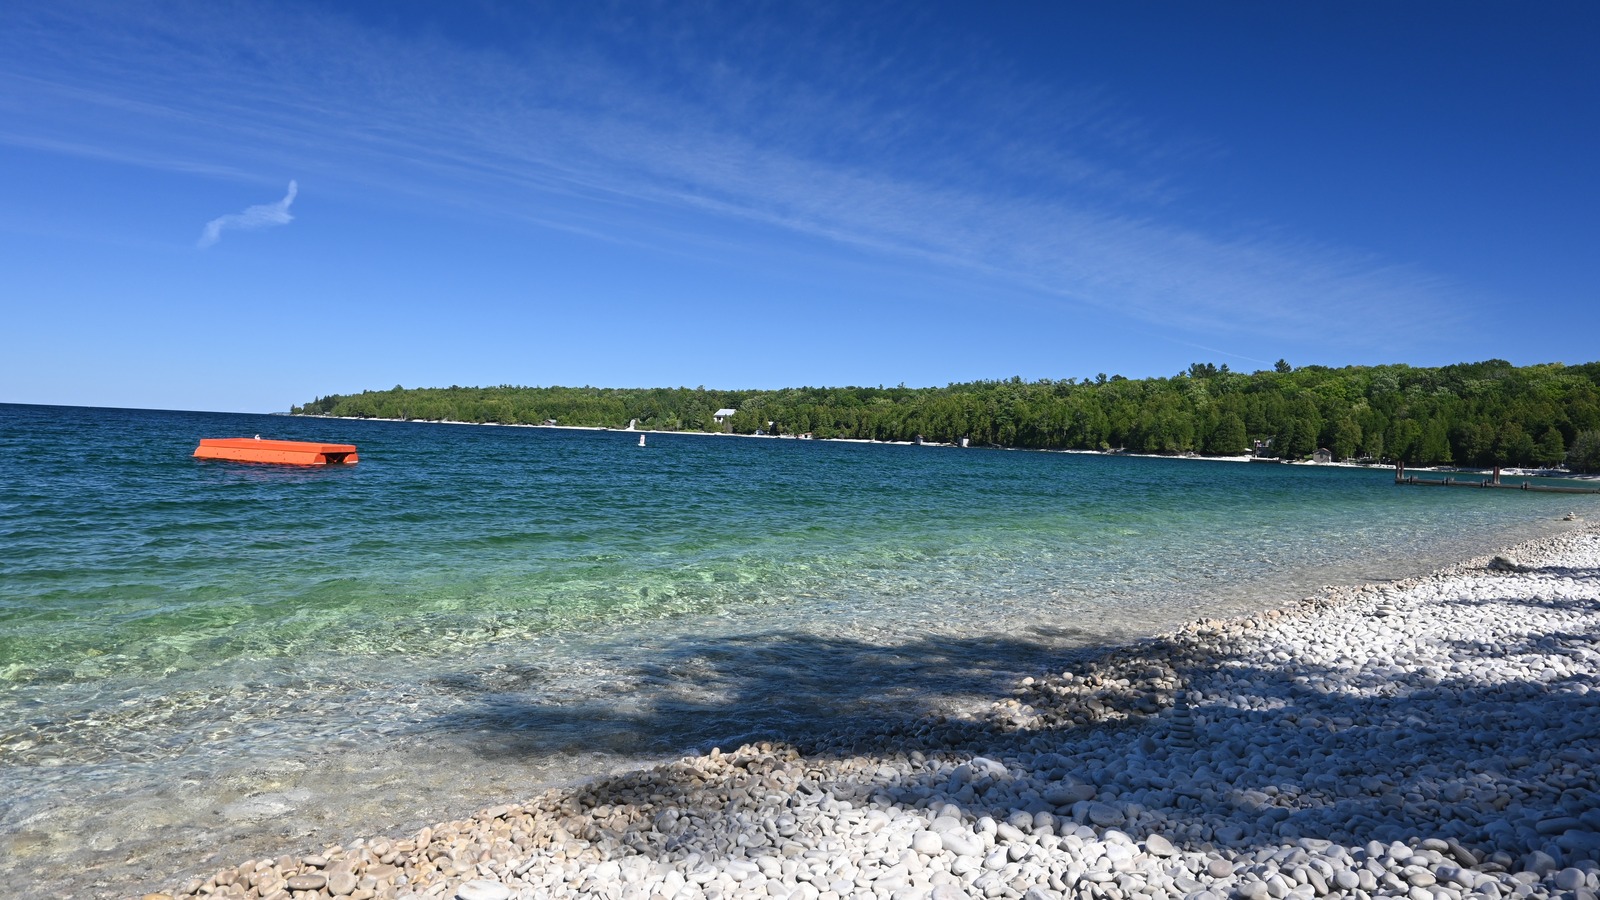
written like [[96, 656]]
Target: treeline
[[1473, 414]]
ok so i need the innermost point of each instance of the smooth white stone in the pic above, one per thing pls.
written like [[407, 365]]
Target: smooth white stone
[[961, 844], [483, 890]]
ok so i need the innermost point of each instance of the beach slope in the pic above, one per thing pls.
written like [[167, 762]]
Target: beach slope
[[1435, 737]]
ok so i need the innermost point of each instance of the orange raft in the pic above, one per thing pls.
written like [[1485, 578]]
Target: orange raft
[[289, 453]]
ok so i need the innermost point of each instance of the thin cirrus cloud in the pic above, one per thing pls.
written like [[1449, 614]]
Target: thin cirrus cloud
[[1079, 213], [264, 215]]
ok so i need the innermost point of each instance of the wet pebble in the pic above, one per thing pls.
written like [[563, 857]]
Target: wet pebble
[[1429, 738]]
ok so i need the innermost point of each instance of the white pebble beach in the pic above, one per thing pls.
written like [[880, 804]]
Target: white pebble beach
[[1435, 738]]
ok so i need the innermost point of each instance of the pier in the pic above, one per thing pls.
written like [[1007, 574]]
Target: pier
[[1489, 481]]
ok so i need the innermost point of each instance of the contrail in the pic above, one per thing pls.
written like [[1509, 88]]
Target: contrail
[[260, 216]]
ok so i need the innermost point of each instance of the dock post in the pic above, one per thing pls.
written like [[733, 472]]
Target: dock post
[[1496, 474]]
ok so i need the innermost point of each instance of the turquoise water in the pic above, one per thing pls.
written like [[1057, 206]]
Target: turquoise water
[[237, 657]]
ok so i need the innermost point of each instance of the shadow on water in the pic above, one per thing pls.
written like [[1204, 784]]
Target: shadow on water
[[1386, 756], [786, 686]]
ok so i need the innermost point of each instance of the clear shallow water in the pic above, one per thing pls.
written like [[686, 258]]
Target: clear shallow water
[[204, 657]]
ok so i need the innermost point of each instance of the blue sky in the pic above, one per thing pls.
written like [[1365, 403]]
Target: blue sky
[[241, 206]]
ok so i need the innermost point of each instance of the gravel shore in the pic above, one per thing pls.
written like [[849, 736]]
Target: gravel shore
[[1435, 737]]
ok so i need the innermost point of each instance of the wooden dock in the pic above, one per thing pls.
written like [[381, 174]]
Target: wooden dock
[[1489, 481]]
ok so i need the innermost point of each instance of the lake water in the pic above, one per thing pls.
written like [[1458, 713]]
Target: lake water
[[202, 662]]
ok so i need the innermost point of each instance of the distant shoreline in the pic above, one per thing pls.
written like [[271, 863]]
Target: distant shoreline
[[1242, 458]]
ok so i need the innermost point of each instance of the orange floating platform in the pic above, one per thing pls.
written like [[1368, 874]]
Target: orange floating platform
[[287, 453]]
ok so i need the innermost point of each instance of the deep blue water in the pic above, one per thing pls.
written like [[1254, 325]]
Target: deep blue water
[[241, 653]]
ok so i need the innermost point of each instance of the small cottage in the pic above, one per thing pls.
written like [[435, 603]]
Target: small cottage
[[722, 415]]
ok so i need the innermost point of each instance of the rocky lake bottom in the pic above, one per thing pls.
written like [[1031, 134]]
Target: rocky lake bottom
[[1434, 738]]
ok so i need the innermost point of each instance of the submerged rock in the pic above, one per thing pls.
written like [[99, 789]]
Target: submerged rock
[[1436, 737]]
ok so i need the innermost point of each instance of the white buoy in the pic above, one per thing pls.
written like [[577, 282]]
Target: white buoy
[[641, 440]]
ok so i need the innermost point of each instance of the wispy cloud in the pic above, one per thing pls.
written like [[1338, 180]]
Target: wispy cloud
[[917, 163], [264, 215]]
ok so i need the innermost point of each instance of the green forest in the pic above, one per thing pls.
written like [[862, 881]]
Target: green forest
[[1470, 414]]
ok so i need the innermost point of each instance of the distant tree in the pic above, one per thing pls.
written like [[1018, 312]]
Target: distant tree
[[1435, 450], [1405, 441], [1346, 438], [1372, 444], [1512, 446], [1472, 442], [1228, 438], [1585, 453], [1282, 367], [1551, 448], [1295, 438], [1483, 413], [1383, 383]]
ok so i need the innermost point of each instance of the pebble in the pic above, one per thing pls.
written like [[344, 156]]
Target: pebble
[[311, 882], [1104, 814], [1436, 738], [1068, 794], [483, 890], [961, 844], [1570, 879]]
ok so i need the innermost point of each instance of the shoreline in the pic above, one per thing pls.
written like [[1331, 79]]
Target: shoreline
[[1352, 725], [1242, 458]]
